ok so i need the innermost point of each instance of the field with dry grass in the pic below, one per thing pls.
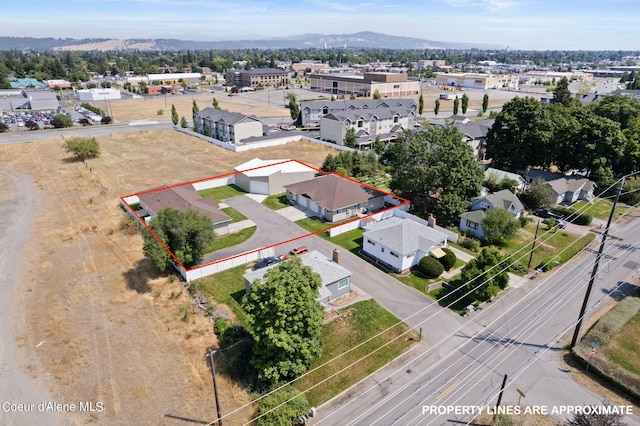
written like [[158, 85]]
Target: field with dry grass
[[110, 328]]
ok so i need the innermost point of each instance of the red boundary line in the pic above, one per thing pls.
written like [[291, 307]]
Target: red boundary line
[[404, 202]]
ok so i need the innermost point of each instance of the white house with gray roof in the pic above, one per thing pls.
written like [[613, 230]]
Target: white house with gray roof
[[471, 221], [383, 122], [401, 243], [566, 188], [336, 279], [227, 126], [312, 111]]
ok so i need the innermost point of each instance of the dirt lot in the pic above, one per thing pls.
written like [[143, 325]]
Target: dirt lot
[[114, 331]]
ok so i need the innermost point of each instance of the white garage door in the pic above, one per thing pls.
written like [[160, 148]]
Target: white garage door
[[257, 187]]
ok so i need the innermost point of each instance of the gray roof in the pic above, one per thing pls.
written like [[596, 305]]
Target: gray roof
[[262, 71], [334, 192], [571, 184], [502, 199], [474, 216], [501, 174], [346, 104], [474, 129], [182, 198], [329, 271], [224, 116], [404, 236], [368, 114]]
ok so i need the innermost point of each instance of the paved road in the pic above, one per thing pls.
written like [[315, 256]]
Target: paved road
[[520, 335], [32, 136], [16, 387]]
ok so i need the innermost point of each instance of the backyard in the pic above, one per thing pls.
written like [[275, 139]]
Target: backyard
[[355, 325]]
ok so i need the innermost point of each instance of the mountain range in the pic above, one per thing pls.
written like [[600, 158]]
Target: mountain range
[[364, 39]]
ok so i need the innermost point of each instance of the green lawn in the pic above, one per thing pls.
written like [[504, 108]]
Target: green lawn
[[222, 192], [599, 208], [276, 202], [230, 240], [351, 240], [624, 346], [313, 224], [226, 287], [236, 216], [356, 324]]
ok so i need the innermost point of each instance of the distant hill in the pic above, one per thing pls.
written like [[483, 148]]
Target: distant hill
[[361, 39]]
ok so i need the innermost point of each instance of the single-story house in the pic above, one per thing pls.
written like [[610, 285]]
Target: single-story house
[[567, 188], [269, 177], [183, 198], [336, 279], [471, 221], [499, 175], [401, 243], [334, 198]]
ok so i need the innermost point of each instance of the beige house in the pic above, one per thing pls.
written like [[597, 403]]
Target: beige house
[[388, 85], [227, 126], [334, 198]]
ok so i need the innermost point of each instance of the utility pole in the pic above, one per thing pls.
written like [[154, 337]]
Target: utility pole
[[578, 330], [533, 246], [215, 386], [504, 382]]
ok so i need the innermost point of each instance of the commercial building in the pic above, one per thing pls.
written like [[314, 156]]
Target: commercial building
[[387, 85], [477, 81], [98, 94], [258, 77]]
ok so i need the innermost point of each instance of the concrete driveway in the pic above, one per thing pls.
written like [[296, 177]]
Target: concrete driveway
[[272, 229], [295, 213]]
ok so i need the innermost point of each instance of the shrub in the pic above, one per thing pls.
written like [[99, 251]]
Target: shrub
[[572, 216], [470, 244], [228, 333], [285, 414], [221, 325], [430, 267], [106, 120], [448, 261]]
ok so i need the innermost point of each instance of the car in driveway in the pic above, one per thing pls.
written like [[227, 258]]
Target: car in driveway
[[299, 250], [547, 213], [267, 261]]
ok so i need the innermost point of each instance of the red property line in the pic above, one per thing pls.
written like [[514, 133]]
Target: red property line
[[404, 203]]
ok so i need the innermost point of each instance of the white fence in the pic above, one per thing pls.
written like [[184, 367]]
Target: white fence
[[264, 143], [340, 229], [223, 265], [214, 183]]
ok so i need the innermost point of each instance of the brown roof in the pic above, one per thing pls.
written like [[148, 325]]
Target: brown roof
[[182, 198], [333, 192]]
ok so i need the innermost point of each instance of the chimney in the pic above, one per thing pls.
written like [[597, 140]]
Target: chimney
[[431, 221], [336, 256]]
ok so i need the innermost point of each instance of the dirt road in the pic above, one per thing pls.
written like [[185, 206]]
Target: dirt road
[[21, 385]]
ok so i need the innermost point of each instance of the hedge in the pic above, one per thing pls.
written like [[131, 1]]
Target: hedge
[[430, 267]]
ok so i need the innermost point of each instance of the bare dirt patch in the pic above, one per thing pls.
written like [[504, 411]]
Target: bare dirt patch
[[114, 330]]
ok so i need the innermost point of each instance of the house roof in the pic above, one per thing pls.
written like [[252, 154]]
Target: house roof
[[262, 71], [474, 216], [570, 184], [269, 167], [334, 192], [501, 174], [474, 129], [224, 116], [26, 82], [183, 198], [502, 199], [346, 104], [404, 236], [368, 114], [329, 271]]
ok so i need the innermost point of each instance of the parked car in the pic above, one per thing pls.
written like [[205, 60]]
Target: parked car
[[299, 250], [547, 212], [267, 261], [557, 222]]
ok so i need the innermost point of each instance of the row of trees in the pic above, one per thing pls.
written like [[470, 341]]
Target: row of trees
[[601, 139]]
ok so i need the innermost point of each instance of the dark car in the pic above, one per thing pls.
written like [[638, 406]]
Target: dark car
[[547, 213], [267, 261]]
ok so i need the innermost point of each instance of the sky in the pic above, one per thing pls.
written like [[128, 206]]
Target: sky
[[517, 24]]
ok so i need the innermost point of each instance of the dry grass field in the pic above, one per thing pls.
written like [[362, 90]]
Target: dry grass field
[[112, 329]]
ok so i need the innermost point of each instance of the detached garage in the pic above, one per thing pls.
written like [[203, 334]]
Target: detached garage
[[268, 177]]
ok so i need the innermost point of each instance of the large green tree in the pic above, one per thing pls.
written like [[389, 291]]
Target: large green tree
[[436, 170], [420, 104], [436, 107], [498, 225], [619, 108], [485, 103], [482, 277], [521, 135], [456, 105], [186, 234], [350, 138], [285, 320], [538, 194], [60, 121], [83, 148], [561, 93], [294, 108]]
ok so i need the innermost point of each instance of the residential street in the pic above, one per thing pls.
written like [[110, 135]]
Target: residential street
[[519, 334]]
